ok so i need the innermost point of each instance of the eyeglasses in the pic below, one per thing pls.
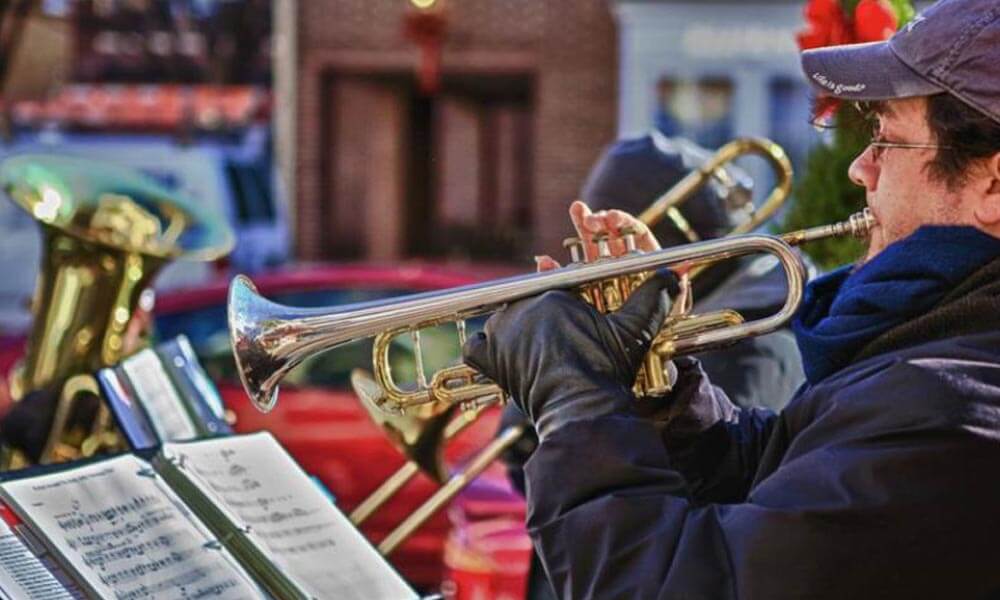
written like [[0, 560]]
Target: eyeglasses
[[879, 145], [870, 112]]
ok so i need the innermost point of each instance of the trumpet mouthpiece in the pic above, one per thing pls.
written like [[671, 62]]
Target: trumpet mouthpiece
[[859, 225]]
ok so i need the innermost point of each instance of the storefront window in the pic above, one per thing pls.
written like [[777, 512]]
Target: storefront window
[[698, 109]]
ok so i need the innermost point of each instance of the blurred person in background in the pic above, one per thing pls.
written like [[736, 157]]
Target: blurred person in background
[[630, 176]]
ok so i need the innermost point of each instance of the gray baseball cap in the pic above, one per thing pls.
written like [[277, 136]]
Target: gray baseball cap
[[953, 46]]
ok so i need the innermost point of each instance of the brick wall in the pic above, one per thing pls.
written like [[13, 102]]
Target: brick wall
[[568, 46]]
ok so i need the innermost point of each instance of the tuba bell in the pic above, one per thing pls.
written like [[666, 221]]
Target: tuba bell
[[106, 233]]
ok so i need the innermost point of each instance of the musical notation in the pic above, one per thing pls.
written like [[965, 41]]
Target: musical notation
[[22, 575], [127, 534], [255, 480]]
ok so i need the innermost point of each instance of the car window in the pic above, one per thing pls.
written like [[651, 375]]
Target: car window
[[207, 330]]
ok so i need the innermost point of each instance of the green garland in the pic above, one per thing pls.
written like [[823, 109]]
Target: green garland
[[823, 193], [903, 9]]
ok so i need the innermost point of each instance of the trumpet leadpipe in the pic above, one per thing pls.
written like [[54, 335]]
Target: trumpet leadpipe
[[858, 225]]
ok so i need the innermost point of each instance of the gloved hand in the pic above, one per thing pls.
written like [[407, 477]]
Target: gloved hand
[[561, 360]]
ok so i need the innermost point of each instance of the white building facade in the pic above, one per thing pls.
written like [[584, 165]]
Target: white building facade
[[712, 71]]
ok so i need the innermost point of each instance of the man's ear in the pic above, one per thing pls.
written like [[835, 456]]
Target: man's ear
[[988, 210]]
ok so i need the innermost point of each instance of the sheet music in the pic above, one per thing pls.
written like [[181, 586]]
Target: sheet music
[[129, 414], [262, 487], [127, 534], [158, 397], [199, 378], [23, 576]]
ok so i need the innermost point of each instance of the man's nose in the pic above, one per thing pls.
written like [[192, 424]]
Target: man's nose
[[863, 171]]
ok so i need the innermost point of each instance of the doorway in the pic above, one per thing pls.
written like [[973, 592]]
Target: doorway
[[408, 175]]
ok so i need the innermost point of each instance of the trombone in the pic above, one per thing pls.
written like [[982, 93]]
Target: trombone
[[423, 456], [666, 206]]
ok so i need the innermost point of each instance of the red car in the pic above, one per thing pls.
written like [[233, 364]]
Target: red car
[[317, 417]]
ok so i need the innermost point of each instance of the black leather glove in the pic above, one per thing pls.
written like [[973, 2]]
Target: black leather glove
[[561, 360]]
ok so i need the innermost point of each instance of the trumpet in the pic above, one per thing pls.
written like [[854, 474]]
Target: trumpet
[[270, 339]]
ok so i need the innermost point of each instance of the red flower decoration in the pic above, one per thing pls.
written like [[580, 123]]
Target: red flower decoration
[[827, 25], [874, 21]]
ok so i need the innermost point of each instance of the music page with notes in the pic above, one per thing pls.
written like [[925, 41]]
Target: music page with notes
[[126, 535], [23, 576], [283, 511], [159, 397]]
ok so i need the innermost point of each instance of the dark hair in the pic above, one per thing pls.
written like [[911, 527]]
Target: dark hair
[[968, 134]]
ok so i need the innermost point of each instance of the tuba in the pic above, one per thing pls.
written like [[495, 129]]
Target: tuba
[[106, 232]]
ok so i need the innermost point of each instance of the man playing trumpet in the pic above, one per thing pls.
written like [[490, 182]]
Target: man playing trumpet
[[878, 478]]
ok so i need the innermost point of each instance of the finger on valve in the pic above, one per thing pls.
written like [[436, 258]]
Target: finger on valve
[[618, 220], [587, 224], [610, 224]]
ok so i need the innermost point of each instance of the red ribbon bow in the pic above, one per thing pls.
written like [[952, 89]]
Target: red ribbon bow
[[828, 25]]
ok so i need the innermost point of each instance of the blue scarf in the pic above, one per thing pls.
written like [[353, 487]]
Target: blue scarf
[[844, 310]]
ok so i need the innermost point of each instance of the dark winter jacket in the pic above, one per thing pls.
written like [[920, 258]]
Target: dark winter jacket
[[877, 482]]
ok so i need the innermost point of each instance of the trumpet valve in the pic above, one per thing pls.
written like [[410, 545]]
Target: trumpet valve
[[613, 295], [657, 378], [575, 247], [628, 236], [603, 247]]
